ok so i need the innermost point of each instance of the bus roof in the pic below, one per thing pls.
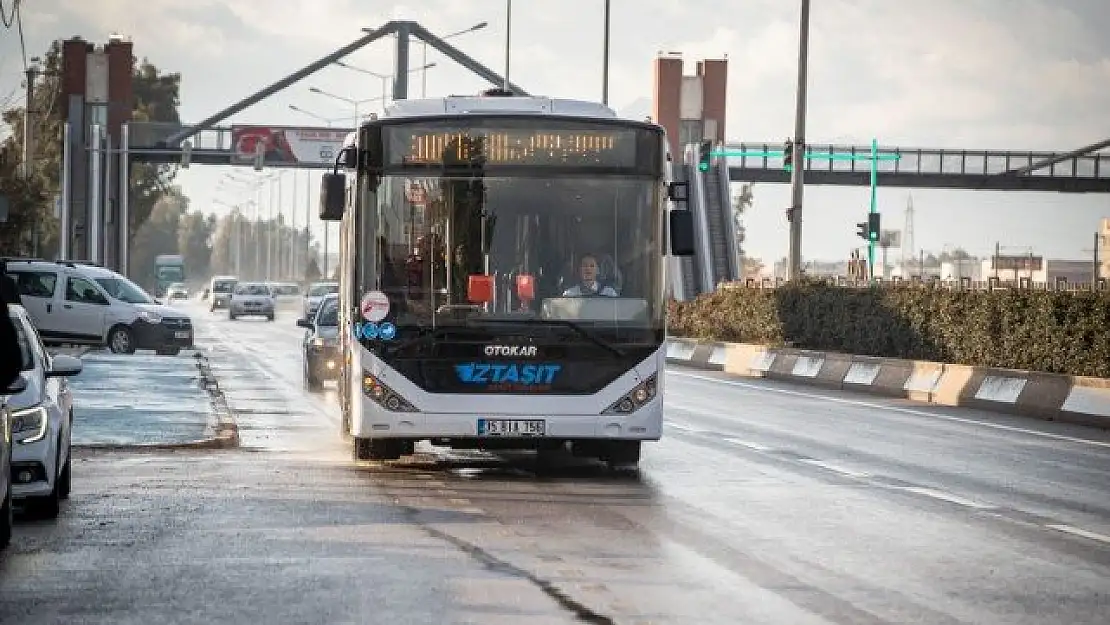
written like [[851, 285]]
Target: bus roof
[[502, 105]]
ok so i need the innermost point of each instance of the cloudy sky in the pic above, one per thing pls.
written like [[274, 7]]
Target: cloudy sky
[[977, 74]]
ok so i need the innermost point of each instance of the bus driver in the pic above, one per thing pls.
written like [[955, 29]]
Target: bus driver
[[588, 284]]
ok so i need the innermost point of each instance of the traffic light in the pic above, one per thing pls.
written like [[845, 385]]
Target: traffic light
[[873, 228], [788, 154], [705, 148], [861, 231]]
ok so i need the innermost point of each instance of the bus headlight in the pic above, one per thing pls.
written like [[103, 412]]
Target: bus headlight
[[634, 399], [384, 396], [29, 424]]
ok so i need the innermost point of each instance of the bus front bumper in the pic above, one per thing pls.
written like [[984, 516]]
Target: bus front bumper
[[375, 422]]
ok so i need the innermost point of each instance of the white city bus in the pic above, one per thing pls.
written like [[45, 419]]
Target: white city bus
[[502, 276]]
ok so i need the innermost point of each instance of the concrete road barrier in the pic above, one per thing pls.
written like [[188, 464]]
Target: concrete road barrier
[[1048, 396]]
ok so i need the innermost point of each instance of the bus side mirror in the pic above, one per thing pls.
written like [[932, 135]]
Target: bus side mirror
[[333, 196], [678, 192], [682, 232], [350, 157]]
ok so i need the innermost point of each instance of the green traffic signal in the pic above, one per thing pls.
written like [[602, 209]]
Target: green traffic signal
[[705, 150]]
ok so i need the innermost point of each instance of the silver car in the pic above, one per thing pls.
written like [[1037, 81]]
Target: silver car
[[317, 291], [41, 423], [251, 299]]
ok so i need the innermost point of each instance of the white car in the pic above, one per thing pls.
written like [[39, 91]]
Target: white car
[[82, 303], [6, 516], [251, 299], [219, 291], [41, 422], [177, 290]]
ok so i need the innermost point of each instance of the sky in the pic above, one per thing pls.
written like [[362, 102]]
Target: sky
[[974, 74]]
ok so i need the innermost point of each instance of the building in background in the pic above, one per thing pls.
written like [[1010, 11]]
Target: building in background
[[690, 108]]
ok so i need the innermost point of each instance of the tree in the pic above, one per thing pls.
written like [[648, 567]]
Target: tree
[[157, 235], [312, 271], [31, 213], [157, 97], [957, 254], [21, 199], [194, 237], [222, 262]]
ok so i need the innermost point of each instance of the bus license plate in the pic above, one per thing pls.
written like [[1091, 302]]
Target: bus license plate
[[181, 334], [512, 427]]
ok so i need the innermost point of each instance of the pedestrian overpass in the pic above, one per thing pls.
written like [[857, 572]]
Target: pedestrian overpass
[[716, 232]]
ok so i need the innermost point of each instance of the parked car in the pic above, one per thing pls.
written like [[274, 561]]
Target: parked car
[[6, 495], [219, 292], [315, 295], [177, 291], [251, 299], [41, 423], [82, 303], [321, 344]]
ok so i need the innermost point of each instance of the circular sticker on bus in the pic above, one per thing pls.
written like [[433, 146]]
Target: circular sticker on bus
[[387, 331], [374, 306]]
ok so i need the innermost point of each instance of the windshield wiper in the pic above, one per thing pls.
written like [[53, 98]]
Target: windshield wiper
[[430, 334], [566, 323]]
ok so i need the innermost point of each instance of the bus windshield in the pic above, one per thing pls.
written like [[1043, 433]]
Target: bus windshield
[[583, 249]]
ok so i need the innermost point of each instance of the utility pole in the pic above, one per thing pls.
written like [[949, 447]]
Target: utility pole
[[796, 174], [28, 133], [508, 39], [605, 61]]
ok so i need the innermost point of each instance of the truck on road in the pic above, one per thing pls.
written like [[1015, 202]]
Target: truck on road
[[169, 269]]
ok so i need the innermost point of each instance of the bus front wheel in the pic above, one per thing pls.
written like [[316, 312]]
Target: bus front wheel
[[621, 453], [378, 448]]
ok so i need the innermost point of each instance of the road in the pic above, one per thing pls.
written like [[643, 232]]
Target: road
[[764, 503]]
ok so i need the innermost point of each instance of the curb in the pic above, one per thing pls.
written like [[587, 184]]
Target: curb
[[221, 431], [76, 351], [1046, 396]]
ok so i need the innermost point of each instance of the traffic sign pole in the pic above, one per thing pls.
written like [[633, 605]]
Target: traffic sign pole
[[874, 206]]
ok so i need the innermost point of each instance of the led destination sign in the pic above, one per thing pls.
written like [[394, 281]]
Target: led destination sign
[[576, 145]]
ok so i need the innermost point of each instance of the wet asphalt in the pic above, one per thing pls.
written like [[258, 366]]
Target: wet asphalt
[[764, 503]]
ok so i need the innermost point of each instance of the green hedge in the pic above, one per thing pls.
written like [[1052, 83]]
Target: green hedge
[[1051, 331]]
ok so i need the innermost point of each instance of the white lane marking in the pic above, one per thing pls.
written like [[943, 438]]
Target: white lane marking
[[909, 411], [949, 497], [836, 469], [1080, 532], [748, 444], [684, 428]]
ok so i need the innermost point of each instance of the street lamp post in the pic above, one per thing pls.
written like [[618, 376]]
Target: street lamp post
[[385, 78], [796, 175], [508, 39], [354, 103], [424, 57], [326, 120], [605, 61]]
